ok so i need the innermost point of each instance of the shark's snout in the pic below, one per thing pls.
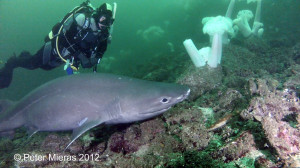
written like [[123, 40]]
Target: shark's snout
[[182, 94], [187, 93]]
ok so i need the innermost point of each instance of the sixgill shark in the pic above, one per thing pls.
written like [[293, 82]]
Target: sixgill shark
[[81, 102]]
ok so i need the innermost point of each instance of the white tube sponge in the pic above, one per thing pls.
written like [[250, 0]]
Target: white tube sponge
[[191, 49], [205, 53], [258, 11], [228, 14], [257, 25], [215, 27], [218, 24], [216, 51], [242, 22], [230, 9]]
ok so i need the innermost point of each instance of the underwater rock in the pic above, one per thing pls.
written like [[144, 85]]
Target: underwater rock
[[157, 140], [277, 60], [54, 143], [256, 45], [200, 80], [274, 104], [243, 146], [57, 143], [262, 86], [132, 138], [293, 81], [238, 60], [240, 64], [280, 41], [296, 53], [262, 162], [151, 129], [6, 145], [119, 144], [246, 115], [271, 110], [188, 126], [228, 100], [284, 138], [141, 145]]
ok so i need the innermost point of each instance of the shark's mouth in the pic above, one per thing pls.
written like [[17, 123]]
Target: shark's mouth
[[156, 112], [163, 110]]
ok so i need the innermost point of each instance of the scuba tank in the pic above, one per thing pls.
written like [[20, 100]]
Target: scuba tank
[[86, 8]]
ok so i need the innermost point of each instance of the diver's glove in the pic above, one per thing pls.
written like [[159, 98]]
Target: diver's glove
[[87, 62]]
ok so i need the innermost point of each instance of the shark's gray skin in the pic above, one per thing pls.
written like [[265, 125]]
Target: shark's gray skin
[[81, 102]]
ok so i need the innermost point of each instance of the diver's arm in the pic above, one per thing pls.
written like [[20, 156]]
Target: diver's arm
[[94, 58], [101, 48]]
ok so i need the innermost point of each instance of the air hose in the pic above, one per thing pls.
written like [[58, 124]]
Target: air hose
[[57, 37]]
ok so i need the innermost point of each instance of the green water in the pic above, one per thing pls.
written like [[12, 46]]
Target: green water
[[25, 23]]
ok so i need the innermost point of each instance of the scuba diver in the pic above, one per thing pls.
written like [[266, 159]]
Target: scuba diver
[[81, 38]]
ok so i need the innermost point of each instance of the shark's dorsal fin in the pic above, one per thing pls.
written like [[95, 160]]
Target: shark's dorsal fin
[[82, 129]]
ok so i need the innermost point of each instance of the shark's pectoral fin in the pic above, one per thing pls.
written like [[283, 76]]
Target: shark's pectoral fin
[[31, 131], [82, 129]]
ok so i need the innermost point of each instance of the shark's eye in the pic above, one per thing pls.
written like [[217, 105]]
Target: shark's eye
[[165, 100]]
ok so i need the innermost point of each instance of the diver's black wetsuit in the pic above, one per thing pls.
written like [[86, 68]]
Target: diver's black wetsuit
[[77, 41], [85, 46]]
